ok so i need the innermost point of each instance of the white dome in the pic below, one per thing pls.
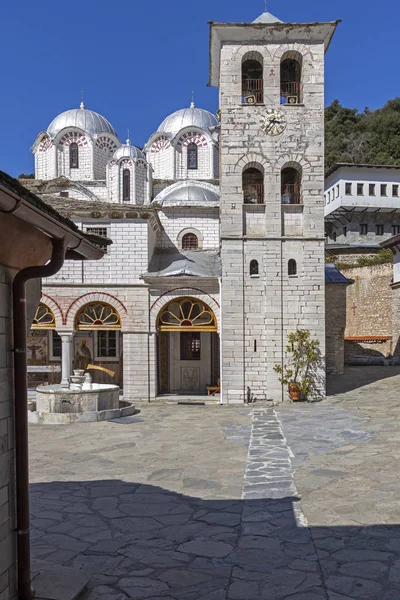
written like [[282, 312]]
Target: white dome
[[128, 151], [89, 121], [188, 117]]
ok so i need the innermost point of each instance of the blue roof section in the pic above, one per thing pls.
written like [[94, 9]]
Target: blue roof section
[[333, 275]]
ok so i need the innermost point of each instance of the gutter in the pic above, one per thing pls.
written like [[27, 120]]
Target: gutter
[[11, 203], [25, 591]]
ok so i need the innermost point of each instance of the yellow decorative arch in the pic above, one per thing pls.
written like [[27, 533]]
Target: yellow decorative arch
[[186, 314], [44, 318], [98, 315]]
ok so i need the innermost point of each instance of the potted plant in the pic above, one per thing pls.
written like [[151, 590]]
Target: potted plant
[[299, 373]]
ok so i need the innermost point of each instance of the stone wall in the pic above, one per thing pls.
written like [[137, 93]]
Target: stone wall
[[369, 309], [335, 306], [7, 489]]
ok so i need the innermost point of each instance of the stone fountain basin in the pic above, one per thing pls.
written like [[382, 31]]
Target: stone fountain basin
[[95, 402]]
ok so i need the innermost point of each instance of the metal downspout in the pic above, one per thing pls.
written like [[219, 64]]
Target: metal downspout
[[25, 591]]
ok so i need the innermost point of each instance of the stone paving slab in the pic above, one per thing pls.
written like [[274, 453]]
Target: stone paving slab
[[202, 503]]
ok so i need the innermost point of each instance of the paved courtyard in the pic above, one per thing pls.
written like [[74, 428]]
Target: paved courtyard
[[203, 502]]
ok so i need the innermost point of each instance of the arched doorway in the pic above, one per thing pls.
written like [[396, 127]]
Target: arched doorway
[[97, 341], [188, 348]]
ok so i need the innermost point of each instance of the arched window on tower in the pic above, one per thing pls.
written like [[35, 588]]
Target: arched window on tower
[[252, 79], [291, 86], [292, 267], [253, 186], [190, 242], [126, 185], [192, 156], [291, 184], [254, 270], [73, 156]]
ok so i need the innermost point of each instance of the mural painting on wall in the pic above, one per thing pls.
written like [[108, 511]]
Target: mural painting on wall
[[83, 349], [37, 348]]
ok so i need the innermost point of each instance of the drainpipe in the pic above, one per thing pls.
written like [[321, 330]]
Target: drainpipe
[[25, 591], [221, 382]]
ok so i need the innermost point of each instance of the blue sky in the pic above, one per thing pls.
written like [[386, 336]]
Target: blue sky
[[139, 61]]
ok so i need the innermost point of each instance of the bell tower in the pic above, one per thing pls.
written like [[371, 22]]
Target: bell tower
[[270, 77]]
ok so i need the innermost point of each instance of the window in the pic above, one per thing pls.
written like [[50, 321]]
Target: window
[[379, 229], [329, 196], [348, 189], [291, 79], [337, 191], [292, 267], [55, 346], [344, 231], [190, 345], [372, 187], [360, 189], [106, 344], [126, 185], [73, 156], [252, 80], [186, 314], [98, 315], [291, 186], [395, 191], [64, 194], [395, 229], [253, 186], [101, 231], [383, 189], [334, 236], [192, 157], [254, 268], [190, 242], [364, 228]]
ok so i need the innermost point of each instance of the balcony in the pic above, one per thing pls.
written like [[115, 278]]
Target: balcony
[[252, 91], [291, 193], [253, 193], [291, 92]]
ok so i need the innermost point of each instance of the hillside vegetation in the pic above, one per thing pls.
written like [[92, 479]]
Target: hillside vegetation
[[362, 137]]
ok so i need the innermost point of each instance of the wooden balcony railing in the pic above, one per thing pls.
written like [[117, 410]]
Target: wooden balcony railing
[[253, 91], [291, 92], [253, 193], [291, 193]]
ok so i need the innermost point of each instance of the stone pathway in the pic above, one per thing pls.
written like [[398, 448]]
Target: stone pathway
[[202, 503]]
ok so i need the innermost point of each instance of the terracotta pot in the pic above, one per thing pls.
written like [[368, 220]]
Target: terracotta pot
[[294, 392]]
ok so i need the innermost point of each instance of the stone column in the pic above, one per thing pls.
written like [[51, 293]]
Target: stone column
[[66, 355]]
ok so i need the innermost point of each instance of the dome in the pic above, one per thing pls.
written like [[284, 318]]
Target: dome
[[189, 193], [128, 151], [87, 120], [188, 117]]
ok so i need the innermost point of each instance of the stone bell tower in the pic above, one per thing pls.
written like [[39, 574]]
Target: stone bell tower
[[271, 84]]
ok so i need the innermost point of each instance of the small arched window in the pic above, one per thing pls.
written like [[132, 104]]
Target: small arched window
[[291, 86], [126, 185], [254, 268], [73, 156], [292, 267], [190, 242], [192, 157], [252, 79]]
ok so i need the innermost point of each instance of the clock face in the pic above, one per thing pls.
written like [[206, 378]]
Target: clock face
[[273, 122]]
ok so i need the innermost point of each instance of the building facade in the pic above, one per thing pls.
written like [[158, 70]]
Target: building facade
[[217, 224]]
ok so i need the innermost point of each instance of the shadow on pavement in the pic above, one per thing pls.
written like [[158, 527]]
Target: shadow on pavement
[[358, 377], [145, 542]]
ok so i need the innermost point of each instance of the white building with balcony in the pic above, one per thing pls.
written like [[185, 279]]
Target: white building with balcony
[[362, 205]]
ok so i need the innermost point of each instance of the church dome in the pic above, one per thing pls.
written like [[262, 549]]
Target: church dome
[[188, 117], [89, 121], [128, 151]]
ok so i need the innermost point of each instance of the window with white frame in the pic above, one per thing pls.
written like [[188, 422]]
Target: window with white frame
[[348, 187], [101, 231], [54, 345], [372, 188]]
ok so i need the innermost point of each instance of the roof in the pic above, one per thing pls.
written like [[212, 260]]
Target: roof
[[18, 191], [333, 275], [188, 117], [185, 263], [391, 242], [338, 166], [128, 151], [267, 17], [87, 120], [353, 248], [188, 193]]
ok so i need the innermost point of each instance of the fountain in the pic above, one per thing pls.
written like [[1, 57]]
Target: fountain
[[78, 400]]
